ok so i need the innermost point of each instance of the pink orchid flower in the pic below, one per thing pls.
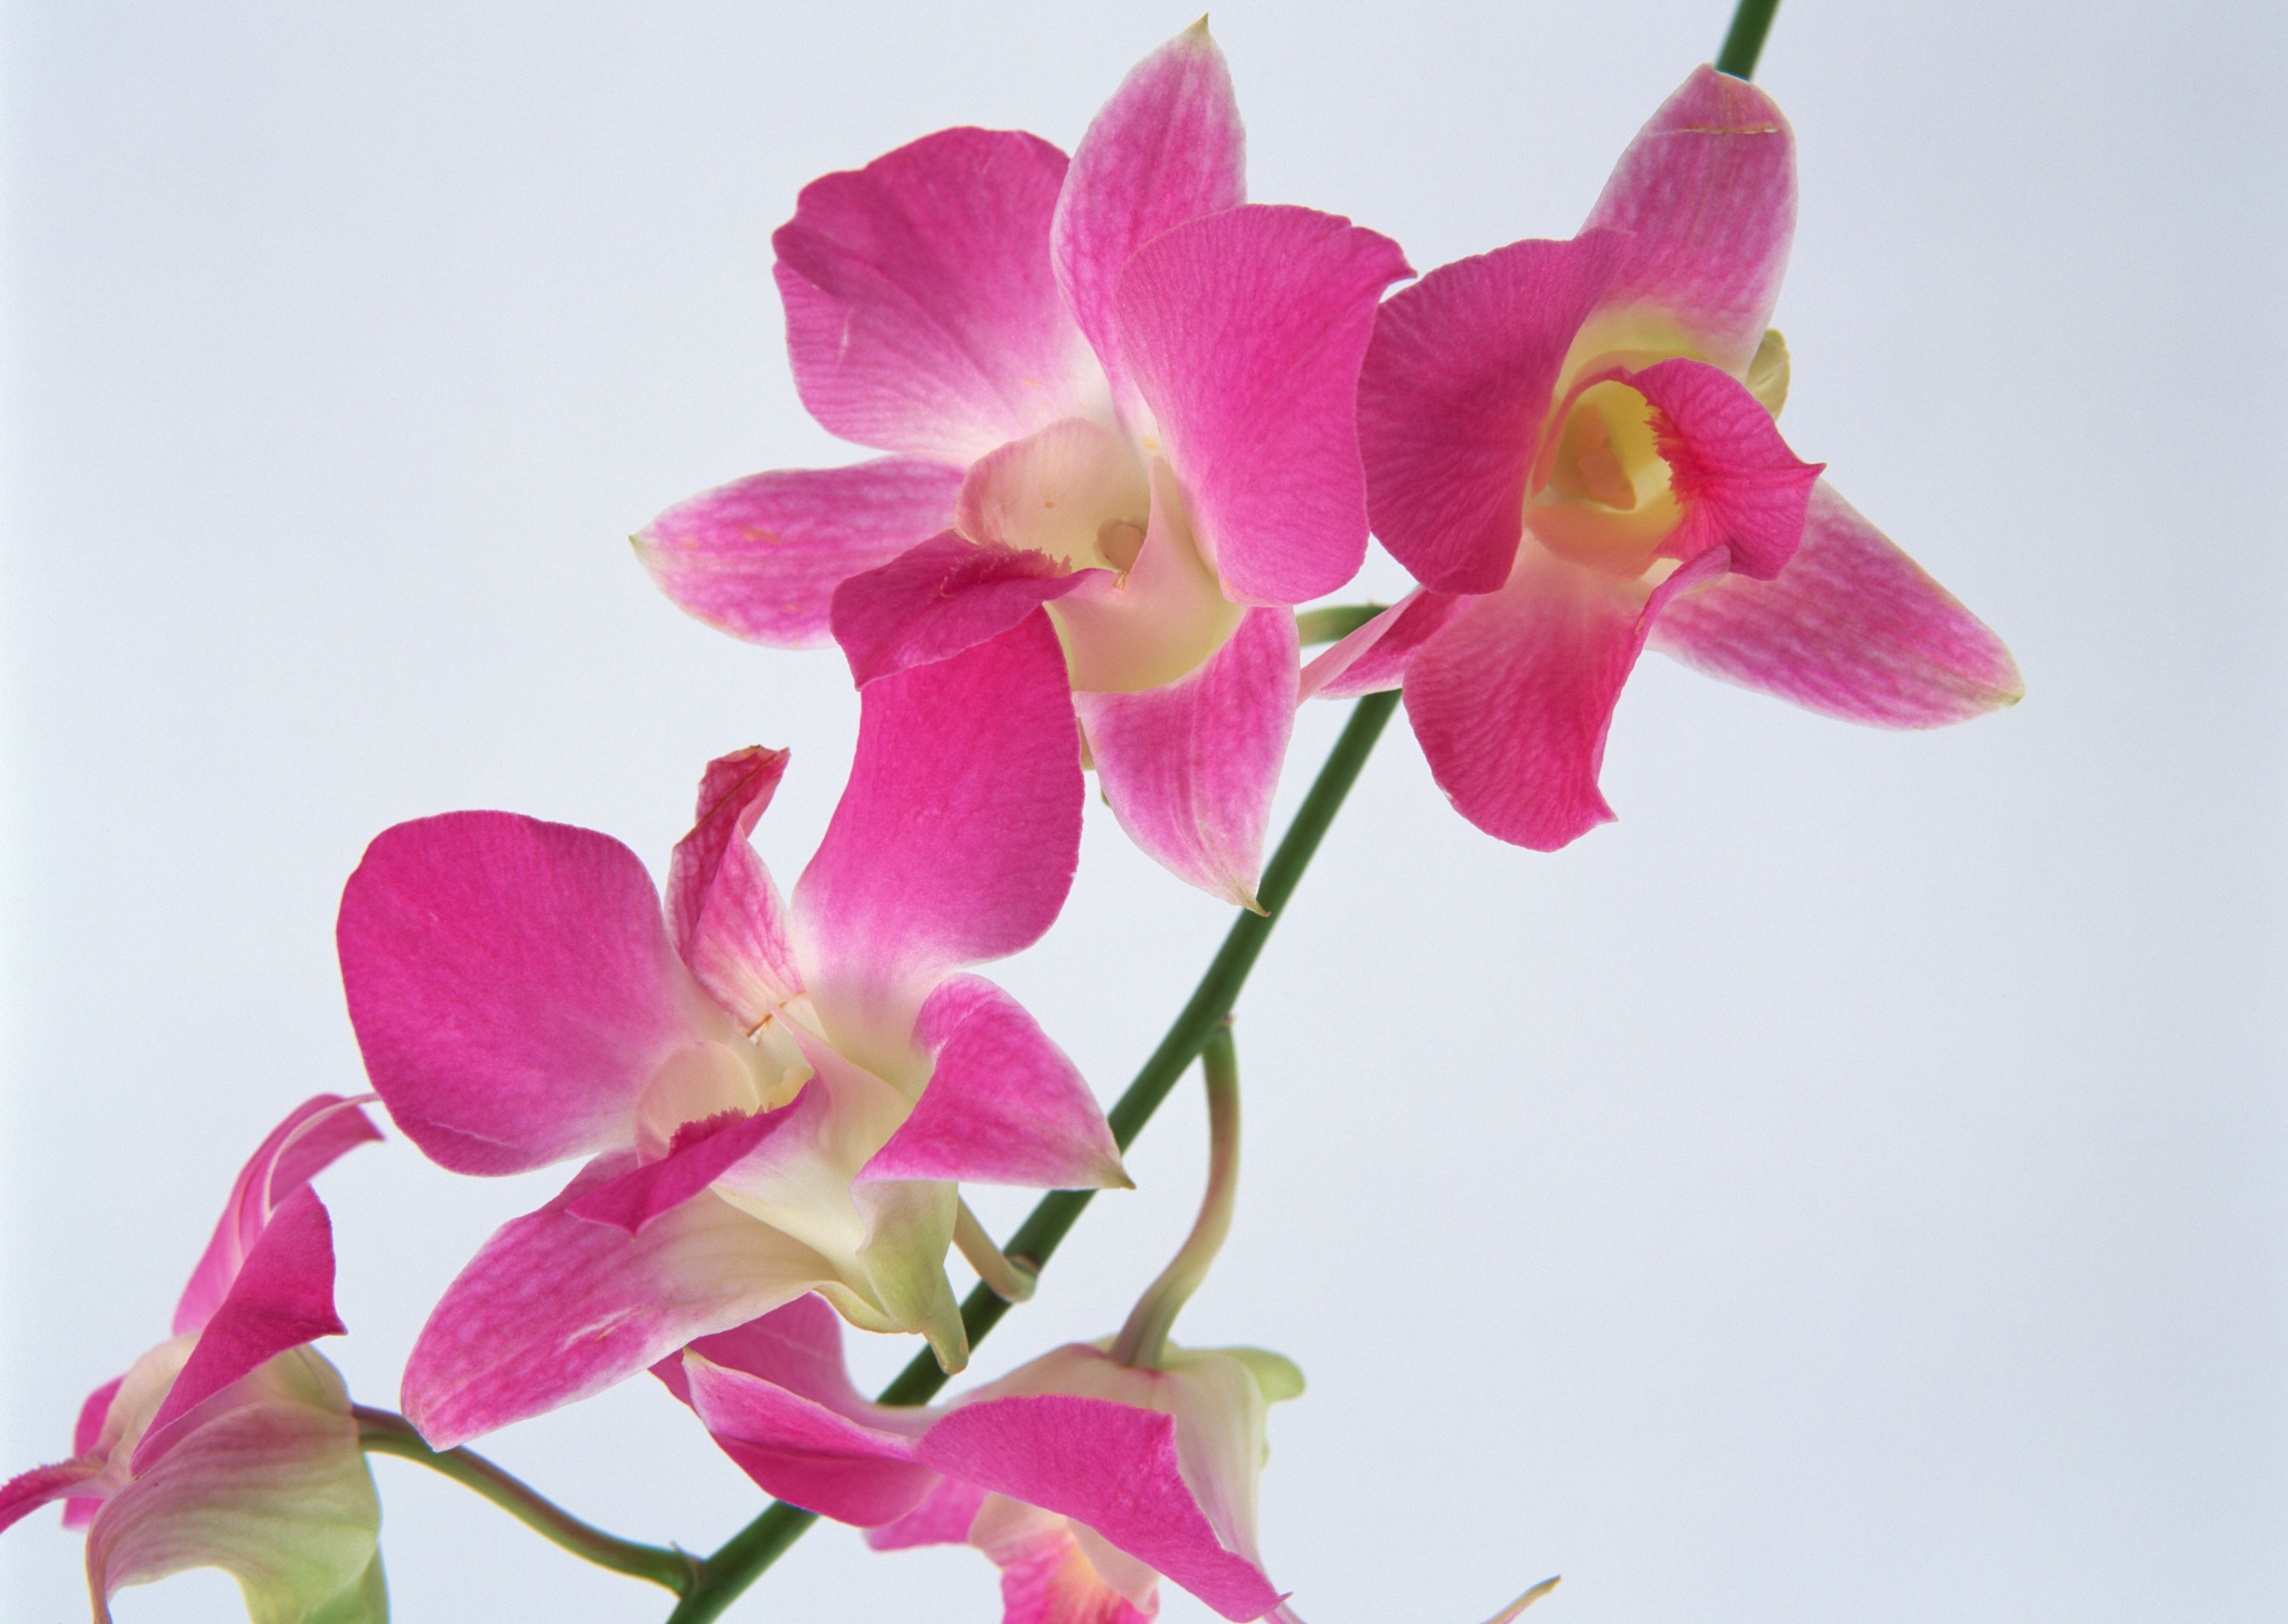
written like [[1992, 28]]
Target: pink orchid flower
[[1087, 1481], [231, 1444], [1113, 389], [777, 1098], [1572, 447]]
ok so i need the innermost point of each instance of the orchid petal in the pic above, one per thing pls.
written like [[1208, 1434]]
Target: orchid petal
[[1244, 331], [28, 1491], [798, 1347], [909, 1230], [1375, 657], [553, 1309], [807, 1453], [511, 986], [1168, 148], [1707, 192], [1052, 1579], [87, 1433], [1453, 395], [940, 599], [1190, 768], [922, 312], [1003, 1106], [943, 1517], [1158, 619], [760, 557], [1852, 627], [728, 920], [957, 838], [1739, 485], [640, 1198]]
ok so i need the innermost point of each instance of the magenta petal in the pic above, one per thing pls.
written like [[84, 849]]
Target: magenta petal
[[1375, 657], [1244, 331], [1168, 148], [1109, 1466], [760, 557], [1852, 627], [1451, 400], [798, 1347], [635, 1200], [937, 599], [942, 1518], [1003, 1106], [283, 1296], [1740, 485], [807, 1453], [1050, 1580], [27, 1492], [922, 314], [313, 1134], [511, 986], [1707, 192], [1190, 768], [956, 837], [728, 919]]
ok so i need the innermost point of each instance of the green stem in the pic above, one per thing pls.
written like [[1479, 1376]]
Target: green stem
[[1334, 624], [1744, 41], [1143, 1338], [382, 1432], [727, 1572]]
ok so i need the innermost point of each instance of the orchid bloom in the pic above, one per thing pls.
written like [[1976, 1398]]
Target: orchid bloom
[[1111, 388], [1572, 447], [231, 1444], [1086, 1480], [778, 1099]]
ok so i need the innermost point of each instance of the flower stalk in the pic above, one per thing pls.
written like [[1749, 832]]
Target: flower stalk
[[1143, 1338]]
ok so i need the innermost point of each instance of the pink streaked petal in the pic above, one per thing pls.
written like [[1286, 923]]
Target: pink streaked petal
[[1451, 400], [1707, 192], [1051, 1580], [798, 1347], [760, 557], [728, 920], [1739, 485], [807, 1453], [922, 312], [942, 1518], [1244, 331], [1168, 148], [1375, 657], [640, 1198], [957, 838], [283, 1296], [1110, 1466], [1190, 768], [27, 1492], [313, 1135], [87, 1432], [554, 1308], [512, 986], [1852, 627], [1003, 1105], [936, 600]]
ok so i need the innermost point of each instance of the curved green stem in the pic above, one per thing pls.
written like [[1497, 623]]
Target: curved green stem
[[730, 1570], [1744, 41], [384, 1432], [1335, 622], [1143, 1338]]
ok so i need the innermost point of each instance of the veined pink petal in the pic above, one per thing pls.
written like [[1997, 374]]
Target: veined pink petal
[[1244, 331], [957, 838], [87, 1432], [1453, 395], [1110, 1466], [942, 1518], [283, 1296], [728, 919], [937, 599], [1852, 627], [1375, 657], [760, 557], [640, 1197], [922, 314], [1051, 1580], [554, 1308], [1707, 192], [1168, 148], [1190, 768], [1003, 1105], [314, 1133], [798, 1347], [1739, 485], [511, 986], [808, 1453], [28, 1491]]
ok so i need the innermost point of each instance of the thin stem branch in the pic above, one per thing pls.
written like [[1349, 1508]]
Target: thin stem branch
[[1335, 622], [384, 1432], [727, 1573], [1009, 1279], [1142, 1339], [1744, 41]]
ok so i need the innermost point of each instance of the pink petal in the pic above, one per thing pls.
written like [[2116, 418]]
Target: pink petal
[[942, 1518], [1003, 1106], [922, 314], [1375, 657], [1739, 485], [87, 1432], [805, 1453], [554, 1308], [1110, 1466], [1456, 388], [283, 1296], [945, 595], [1051, 1581], [1244, 331], [728, 920], [1852, 627], [511, 986], [957, 838], [314, 1133], [798, 1347], [1168, 148], [1190, 768], [636, 1199], [28, 1491], [1707, 190], [760, 557]]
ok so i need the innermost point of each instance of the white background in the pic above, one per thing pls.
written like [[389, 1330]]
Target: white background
[[1853, 1187]]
